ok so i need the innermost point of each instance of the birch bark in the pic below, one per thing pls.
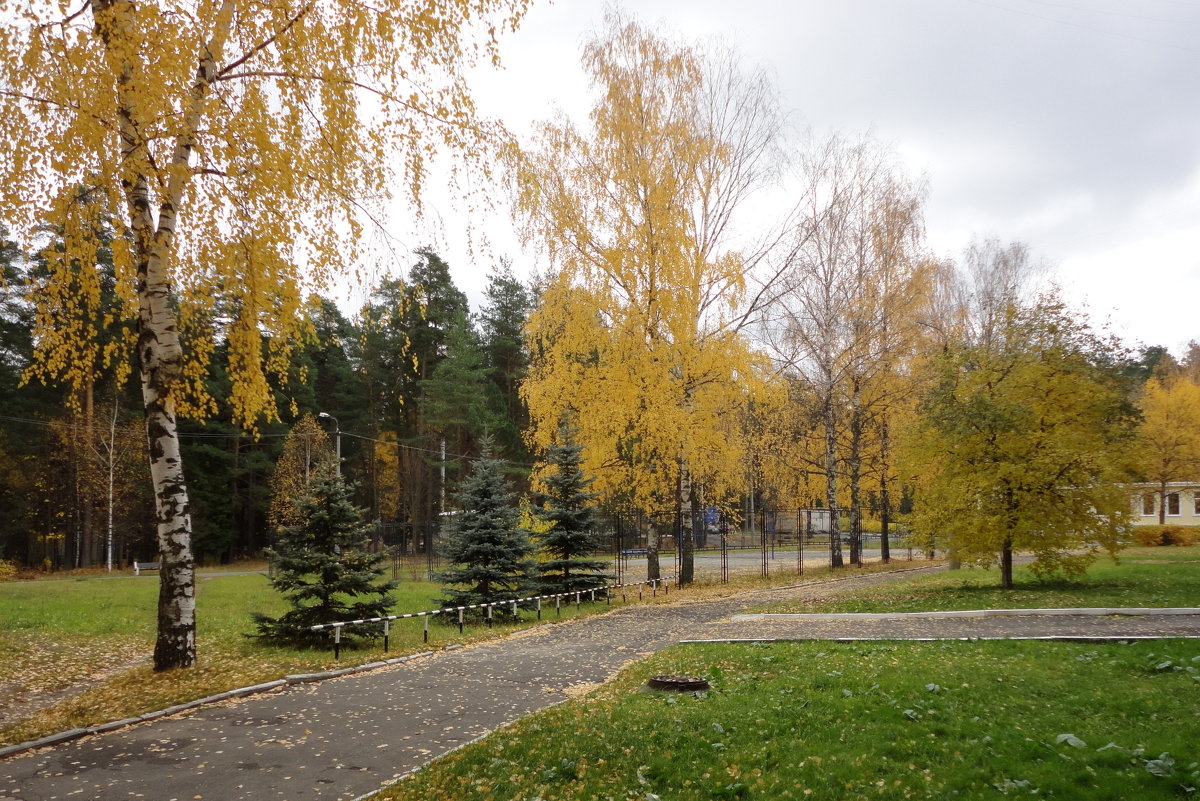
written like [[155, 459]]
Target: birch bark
[[160, 354]]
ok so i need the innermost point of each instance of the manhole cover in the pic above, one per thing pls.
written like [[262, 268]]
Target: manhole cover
[[681, 684]]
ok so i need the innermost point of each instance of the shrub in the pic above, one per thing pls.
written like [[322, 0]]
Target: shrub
[[8, 570], [1179, 535], [1164, 535]]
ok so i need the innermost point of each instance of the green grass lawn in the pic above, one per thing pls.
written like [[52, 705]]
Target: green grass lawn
[[886, 720], [1144, 577]]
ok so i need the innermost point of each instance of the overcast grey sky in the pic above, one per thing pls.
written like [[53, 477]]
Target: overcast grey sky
[[1073, 126]]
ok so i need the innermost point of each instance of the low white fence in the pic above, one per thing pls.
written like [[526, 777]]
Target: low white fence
[[607, 590]]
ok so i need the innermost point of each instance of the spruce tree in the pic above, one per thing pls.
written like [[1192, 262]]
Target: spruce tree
[[488, 550], [323, 568], [567, 505]]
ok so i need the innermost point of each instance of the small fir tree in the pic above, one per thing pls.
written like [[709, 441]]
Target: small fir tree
[[488, 550], [567, 505], [323, 568]]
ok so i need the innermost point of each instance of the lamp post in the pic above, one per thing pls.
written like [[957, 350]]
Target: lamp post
[[337, 433]]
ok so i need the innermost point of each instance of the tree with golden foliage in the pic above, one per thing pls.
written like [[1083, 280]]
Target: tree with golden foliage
[[243, 149], [637, 335], [306, 451], [1022, 441], [1168, 441]]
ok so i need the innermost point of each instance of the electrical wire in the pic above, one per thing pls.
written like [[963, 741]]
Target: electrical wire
[[247, 435]]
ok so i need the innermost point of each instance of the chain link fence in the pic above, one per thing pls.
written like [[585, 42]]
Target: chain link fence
[[769, 542]]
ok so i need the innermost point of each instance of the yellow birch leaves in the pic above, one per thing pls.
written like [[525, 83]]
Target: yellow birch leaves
[[285, 148], [637, 333]]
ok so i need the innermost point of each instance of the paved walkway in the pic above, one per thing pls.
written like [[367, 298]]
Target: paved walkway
[[343, 738]]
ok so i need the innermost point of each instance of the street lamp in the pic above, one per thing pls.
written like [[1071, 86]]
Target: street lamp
[[337, 433]]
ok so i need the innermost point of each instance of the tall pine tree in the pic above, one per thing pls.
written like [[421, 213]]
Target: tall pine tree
[[488, 550], [502, 321], [567, 505], [323, 568]]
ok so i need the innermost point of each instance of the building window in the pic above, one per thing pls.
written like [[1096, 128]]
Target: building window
[[1173, 503], [1148, 503], [1196, 501]]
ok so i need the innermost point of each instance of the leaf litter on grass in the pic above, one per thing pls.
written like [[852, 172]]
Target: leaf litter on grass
[[997, 723]]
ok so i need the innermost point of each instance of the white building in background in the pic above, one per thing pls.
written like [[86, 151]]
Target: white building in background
[[1182, 503]]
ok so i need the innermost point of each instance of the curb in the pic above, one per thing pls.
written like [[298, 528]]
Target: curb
[[1041, 638], [1086, 611], [240, 692]]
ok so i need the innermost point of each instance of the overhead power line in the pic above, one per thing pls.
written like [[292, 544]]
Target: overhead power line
[[247, 435]]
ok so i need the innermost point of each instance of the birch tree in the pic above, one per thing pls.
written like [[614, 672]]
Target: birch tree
[[243, 150], [638, 330], [851, 282]]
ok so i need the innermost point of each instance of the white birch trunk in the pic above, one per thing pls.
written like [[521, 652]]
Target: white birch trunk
[[159, 351], [835, 536]]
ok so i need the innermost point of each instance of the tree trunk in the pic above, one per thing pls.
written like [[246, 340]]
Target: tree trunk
[[652, 568], [855, 473], [112, 464], [885, 496], [1006, 564], [176, 642], [72, 539], [87, 528], [687, 542], [835, 536], [161, 360], [1162, 504]]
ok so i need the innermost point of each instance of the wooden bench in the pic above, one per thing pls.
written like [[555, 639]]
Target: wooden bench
[[628, 552], [138, 567]]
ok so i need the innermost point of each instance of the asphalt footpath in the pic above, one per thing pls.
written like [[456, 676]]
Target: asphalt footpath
[[344, 738]]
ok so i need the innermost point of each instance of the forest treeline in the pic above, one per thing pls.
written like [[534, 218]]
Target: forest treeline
[[411, 382]]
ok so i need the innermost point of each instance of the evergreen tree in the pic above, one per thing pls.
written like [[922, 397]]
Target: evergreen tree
[[488, 550], [502, 321], [567, 505], [407, 329], [454, 400], [323, 568]]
